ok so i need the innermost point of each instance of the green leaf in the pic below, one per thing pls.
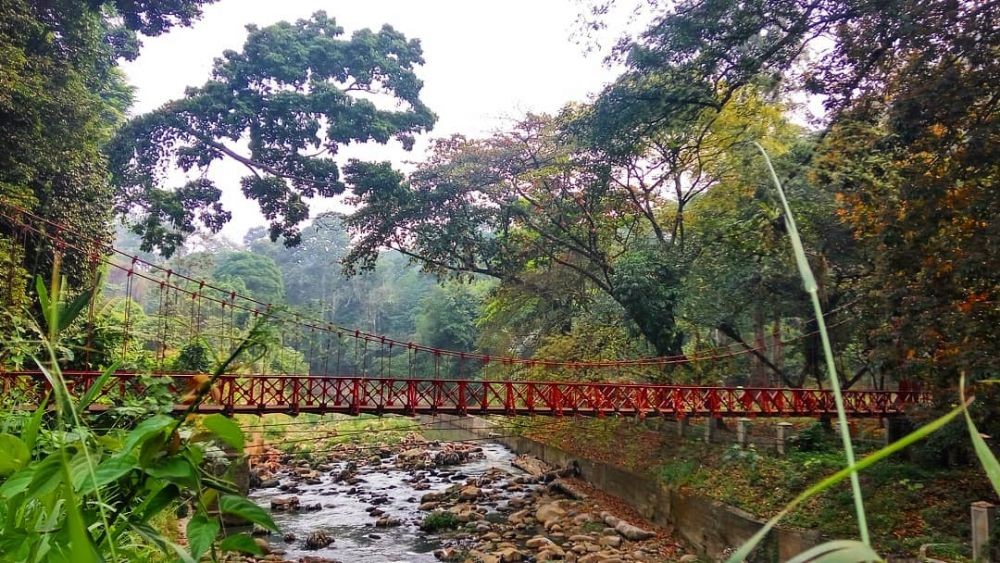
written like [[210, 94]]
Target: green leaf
[[165, 545], [145, 430], [17, 483], [30, 432], [837, 551], [176, 469], [247, 510], [227, 430], [156, 503], [46, 476], [108, 471], [43, 298], [219, 484], [241, 542], [201, 532], [73, 310], [14, 455], [82, 547], [91, 395], [983, 452]]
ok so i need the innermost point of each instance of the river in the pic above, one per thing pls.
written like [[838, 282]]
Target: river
[[345, 515]]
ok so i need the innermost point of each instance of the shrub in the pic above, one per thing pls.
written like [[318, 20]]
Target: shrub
[[679, 473], [815, 438], [439, 520]]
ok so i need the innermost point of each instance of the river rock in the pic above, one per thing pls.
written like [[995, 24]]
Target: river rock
[[263, 545], [447, 554], [284, 504], [387, 522], [568, 489], [610, 541], [549, 514], [318, 540], [412, 456], [476, 556], [509, 554], [531, 465], [432, 497], [634, 533], [470, 493], [540, 543]]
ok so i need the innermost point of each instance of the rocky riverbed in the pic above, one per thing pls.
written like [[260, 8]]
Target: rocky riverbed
[[423, 501]]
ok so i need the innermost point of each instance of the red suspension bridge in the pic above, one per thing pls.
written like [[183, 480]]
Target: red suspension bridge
[[355, 372], [294, 394]]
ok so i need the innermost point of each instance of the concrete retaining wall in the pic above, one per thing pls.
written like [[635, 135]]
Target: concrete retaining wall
[[708, 526]]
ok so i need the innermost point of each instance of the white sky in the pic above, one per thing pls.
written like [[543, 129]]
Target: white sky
[[486, 63]]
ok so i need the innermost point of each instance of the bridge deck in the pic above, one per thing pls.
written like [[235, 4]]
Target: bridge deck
[[292, 394]]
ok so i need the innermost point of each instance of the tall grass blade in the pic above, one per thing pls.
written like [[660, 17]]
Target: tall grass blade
[[983, 451], [30, 431], [91, 395], [837, 551], [813, 290]]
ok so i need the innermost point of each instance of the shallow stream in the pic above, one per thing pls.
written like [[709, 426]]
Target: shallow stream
[[344, 514]]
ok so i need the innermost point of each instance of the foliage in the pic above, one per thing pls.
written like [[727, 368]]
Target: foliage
[[293, 87], [98, 490], [542, 197], [61, 98], [193, 358], [258, 274], [679, 473], [814, 438], [439, 520], [446, 319], [916, 189]]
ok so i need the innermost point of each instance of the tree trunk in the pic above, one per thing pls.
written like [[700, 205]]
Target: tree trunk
[[758, 371], [777, 347]]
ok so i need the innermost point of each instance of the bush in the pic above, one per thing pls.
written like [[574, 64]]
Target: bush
[[815, 438], [439, 520], [679, 473]]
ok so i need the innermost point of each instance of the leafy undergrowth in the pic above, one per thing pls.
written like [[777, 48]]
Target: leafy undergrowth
[[908, 505]]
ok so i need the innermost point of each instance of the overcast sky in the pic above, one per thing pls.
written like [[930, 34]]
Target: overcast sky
[[486, 63]]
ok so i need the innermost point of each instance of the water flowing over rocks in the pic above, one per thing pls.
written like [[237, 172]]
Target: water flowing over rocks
[[446, 502]]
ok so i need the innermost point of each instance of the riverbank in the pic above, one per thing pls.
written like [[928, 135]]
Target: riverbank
[[910, 505]]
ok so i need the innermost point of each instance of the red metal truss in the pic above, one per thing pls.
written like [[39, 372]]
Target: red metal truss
[[355, 395]]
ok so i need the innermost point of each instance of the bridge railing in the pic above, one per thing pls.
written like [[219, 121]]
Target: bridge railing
[[355, 395]]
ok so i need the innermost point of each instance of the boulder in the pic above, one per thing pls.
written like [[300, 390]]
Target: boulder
[[549, 513], [284, 504], [633, 533], [318, 540], [531, 465], [387, 522], [469, 493], [447, 554]]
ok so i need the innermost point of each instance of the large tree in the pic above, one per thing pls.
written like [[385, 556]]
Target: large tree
[[61, 97], [542, 195], [282, 107]]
